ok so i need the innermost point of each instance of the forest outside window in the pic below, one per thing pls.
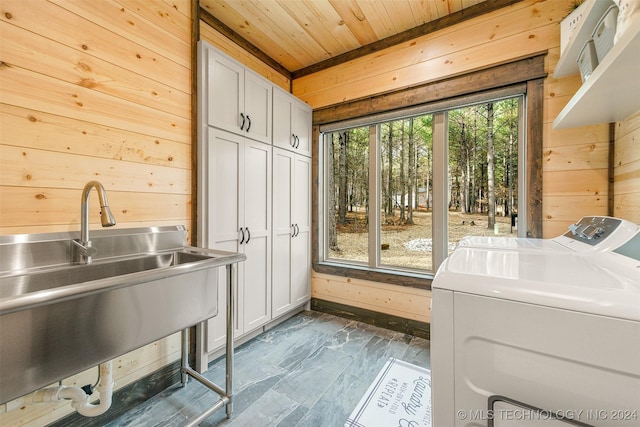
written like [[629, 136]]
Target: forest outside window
[[400, 193]]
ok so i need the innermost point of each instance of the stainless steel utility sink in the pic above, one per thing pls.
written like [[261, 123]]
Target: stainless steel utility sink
[[58, 318], [50, 279]]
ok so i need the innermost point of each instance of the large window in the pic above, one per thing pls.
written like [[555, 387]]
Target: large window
[[483, 170], [348, 194], [401, 191]]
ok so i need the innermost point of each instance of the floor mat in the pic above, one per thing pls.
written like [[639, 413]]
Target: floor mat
[[399, 396]]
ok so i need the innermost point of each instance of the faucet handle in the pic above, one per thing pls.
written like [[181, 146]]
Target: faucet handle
[[83, 251]]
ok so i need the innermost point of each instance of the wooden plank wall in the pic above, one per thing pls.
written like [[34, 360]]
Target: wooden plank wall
[[95, 90], [405, 302], [626, 200], [575, 160]]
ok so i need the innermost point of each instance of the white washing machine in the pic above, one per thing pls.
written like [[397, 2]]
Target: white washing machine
[[539, 332], [594, 234]]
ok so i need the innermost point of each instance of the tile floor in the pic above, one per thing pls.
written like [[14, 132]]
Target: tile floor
[[309, 371]]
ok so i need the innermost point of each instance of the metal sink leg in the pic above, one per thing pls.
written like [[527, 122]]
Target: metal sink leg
[[226, 395]]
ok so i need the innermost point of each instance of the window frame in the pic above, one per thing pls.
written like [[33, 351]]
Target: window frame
[[528, 71]]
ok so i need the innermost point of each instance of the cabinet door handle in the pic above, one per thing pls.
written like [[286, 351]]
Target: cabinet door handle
[[293, 142], [249, 127], [242, 240], [242, 125], [297, 142], [297, 230], [248, 234], [293, 230]]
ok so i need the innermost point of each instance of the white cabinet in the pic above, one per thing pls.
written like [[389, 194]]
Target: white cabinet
[[291, 123], [237, 100], [291, 284], [235, 200], [301, 239], [238, 219]]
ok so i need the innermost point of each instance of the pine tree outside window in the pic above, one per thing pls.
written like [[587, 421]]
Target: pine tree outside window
[[391, 186]]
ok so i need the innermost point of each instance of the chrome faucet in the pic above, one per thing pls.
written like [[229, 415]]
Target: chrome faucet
[[82, 249]]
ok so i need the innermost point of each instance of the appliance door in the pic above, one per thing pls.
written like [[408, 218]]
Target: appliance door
[[561, 361]]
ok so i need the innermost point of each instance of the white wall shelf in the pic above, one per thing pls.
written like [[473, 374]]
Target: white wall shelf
[[568, 63], [612, 92]]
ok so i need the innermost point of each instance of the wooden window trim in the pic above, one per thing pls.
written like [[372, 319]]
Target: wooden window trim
[[528, 70], [195, 38]]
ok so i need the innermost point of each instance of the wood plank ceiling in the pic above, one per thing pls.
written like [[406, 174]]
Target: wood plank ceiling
[[302, 36]]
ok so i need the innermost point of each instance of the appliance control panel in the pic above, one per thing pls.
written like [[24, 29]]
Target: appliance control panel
[[592, 229], [597, 234]]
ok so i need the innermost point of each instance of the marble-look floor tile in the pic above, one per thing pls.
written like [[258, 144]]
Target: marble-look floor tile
[[310, 370], [418, 353], [313, 376], [294, 418], [338, 401], [328, 324], [351, 338], [161, 407], [270, 409], [368, 362], [288, 348], [177, 420]]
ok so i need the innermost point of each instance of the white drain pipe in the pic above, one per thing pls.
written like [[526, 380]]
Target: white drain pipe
[[79, 399]]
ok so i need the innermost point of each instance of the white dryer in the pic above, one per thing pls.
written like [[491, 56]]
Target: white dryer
[[594, 234], [539, 332]]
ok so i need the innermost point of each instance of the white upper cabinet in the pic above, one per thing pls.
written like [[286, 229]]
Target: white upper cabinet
[[257, 107], [291, 123], [282, 114], [237, 99], [302, 118]]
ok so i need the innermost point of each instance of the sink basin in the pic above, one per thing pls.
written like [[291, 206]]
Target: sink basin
[[71, 275], [59, 318]]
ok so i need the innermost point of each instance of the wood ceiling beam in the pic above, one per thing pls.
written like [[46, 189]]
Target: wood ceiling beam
[[221, 27], [429, 27]]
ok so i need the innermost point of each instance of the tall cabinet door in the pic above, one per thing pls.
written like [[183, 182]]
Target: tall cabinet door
[[301, 240], [239, 220], [282, 114], [257, 107], [301, 127], [257, 239], [291, 284], [292, 121], [225, 92], [283, 163], [224, 219]]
